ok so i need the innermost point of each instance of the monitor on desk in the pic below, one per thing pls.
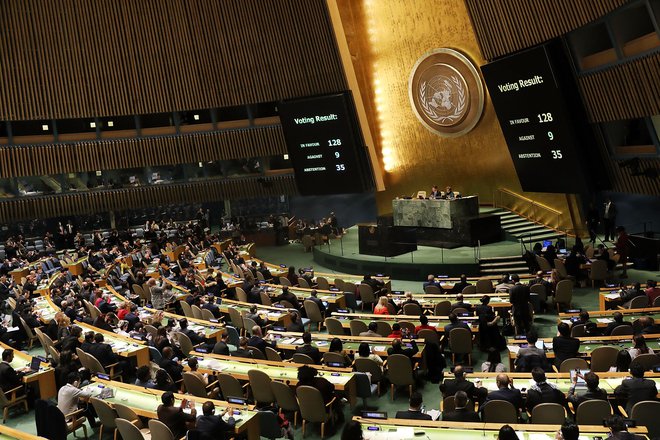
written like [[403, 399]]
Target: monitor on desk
[[375, 415]]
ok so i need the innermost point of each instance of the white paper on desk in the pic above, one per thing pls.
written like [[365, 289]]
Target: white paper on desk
[[567, 321], [12, 329], [612, 296], [513, 348], [321, 343], [298, 341], [604, 320], [538, 436], [434, 413], [379, 348], [286, 341]]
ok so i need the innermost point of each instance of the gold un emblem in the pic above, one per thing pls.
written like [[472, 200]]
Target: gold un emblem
[[446, 92]]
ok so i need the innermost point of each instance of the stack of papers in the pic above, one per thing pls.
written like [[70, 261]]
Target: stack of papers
[[513, 348], [612, 296], [380, 348], [604, 320]]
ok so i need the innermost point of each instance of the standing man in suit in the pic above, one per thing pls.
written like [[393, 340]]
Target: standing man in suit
[[519, 299], [506, 391], [308, 349], [461, 412], [609, 219], [415, 410], [636, 389]]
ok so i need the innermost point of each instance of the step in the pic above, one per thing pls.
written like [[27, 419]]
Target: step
[[540, 237], [518, 270], [502, 264], [507, 224], [527, 227], [504, 258]]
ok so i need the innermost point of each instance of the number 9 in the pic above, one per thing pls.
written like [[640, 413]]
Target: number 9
[[550, 135]]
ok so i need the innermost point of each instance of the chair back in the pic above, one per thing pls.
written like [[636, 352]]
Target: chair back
[[236, 318], [432, 289], [428, 335], [561, 268], [313, 312], [312, 407], [334, 326], [232, 335], [412, 309], [647, 360], [197, 312], [443, 308], [602, 358], [269, 427], [322, 283], [598, 271], [470, 290], [284, 395], [256, 353], [240, 294], [334, 357], [593, 412], [54, 354], [129, 431], [399, 370], [273, 355], [548, 414], [639, 302], [265, 298], [366, 365], [229, 386], [187, 309], [366, 294], [645, 413], [207, 315], [460, 341], [151, 330], [260, 386], [105, 413], [28, 329], [484, 285], [351, 302], [564, 292], [284, 281], [656, 302], [249, 324], [343, 286], [301, 358], [461, 311], [260, 276], [543, 263], [303, 283], [159, 430], [573, 364], [383, 328], [185, 344], [155, 355], [194, 385], [357, 327], [127, 413], [579, 330], [622, 330], [499, 411], [407, 326], [540, 290], [94, 365], [449, 404]]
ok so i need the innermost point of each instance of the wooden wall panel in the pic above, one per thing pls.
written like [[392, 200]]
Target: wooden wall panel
[[84, 58], [147, 196], [506, 26], [113, 154], [624, 91]]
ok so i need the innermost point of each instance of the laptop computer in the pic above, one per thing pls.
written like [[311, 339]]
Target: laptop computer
[[35, 363]]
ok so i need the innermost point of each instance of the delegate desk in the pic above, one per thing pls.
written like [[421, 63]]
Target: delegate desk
[[587, 345], [45, 377], [433, 213], [604, 317], [274, 315], [400, 429], [610, 298], [289, 341], [144, 402], [121, 345], [342, 378], [334, 300], [7, 433], [438, 321], [499, 301], [76, 267]]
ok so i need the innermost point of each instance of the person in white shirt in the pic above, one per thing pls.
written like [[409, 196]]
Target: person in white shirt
[[364, 351], [70, 395]]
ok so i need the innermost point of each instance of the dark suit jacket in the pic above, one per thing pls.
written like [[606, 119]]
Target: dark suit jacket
[[9, 378], [510, 395], [450, 386], [635, 390], [103, 353], [577, 399], [213, 427], [415, 415], [460, 415], [221, 347], [565, 348], [175, 419], [449, 327], [612, 325], [318, 303], [260, 343], [310, 351], [547, 394], [173, 369]]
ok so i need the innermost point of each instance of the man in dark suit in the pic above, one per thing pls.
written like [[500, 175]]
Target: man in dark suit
[[619, 429], [106, 306], [174, 417], [9, 378], [618, 320], [308, 349], [221, 346], [286, 295], [563, 345], [461, 412], [257, 340], [375, 284], [102, 351], [211, 426], [212, 307], [459, 383], [173, 368], [462, 284], [430, 281], [415, 409], [314, 298], [398, 348], [254, 295], [519, 299], [636, 389], [265, 272], [461, 304], [454, 323], [87, 342], [542, 391], [593, 391], [506, 391]]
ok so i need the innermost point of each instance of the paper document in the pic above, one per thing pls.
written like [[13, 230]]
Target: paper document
[[513, 348]]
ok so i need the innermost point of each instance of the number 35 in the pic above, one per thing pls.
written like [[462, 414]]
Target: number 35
[[556, 154]]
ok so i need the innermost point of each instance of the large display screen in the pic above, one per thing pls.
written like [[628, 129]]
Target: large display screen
[[325, 145], [539, 128]]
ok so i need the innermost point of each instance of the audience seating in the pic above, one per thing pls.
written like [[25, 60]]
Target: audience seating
[[312, 408]]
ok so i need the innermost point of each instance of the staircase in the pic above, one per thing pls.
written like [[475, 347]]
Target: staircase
[[516, 227]]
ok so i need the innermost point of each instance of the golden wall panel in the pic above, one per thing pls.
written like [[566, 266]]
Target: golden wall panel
[[386, 37]]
